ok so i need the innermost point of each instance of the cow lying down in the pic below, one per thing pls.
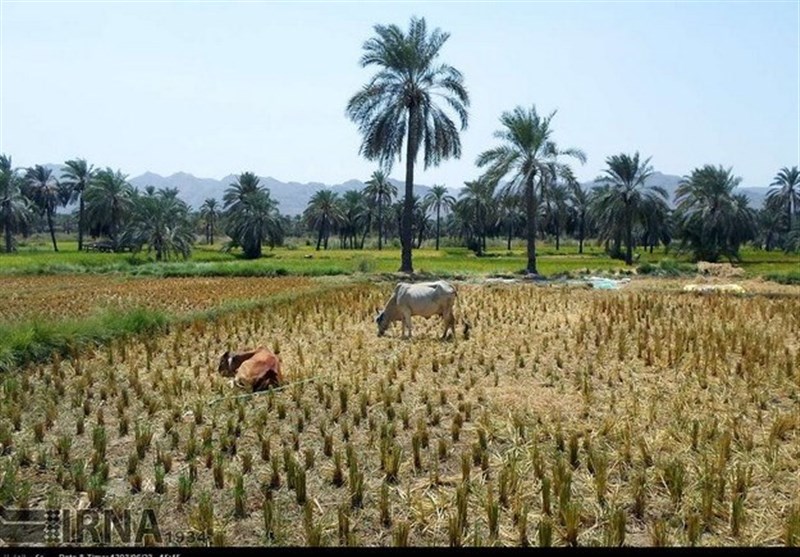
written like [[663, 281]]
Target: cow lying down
[[256, 369]]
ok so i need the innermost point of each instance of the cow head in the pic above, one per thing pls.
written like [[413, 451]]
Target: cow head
[[225, 361], [382, 321]]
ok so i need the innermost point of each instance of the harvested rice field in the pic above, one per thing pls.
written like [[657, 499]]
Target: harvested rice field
[[568, 417]]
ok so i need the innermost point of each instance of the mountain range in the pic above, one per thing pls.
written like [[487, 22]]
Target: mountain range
[[293, 197]]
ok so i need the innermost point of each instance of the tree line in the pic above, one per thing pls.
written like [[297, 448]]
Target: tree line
[[415, 105], [620, 211]]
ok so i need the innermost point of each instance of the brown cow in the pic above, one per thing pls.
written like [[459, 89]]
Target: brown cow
[[258, 369]]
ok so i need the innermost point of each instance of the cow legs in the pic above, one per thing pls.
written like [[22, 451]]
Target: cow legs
[[449, 325], [406, 324]]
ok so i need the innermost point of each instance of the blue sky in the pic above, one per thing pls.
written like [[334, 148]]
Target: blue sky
[[216, 88]]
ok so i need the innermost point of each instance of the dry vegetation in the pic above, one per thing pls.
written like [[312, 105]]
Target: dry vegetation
[[80, 295], [569, 417]]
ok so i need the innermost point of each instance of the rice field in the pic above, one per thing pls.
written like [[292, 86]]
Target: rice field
[[569, 417], [75, 296]]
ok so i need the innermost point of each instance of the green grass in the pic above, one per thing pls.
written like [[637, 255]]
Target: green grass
[[792, 277], [39, 339], [37, 257]]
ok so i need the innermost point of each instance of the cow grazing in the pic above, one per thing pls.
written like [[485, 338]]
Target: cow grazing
[[258, 369], [425, 299]]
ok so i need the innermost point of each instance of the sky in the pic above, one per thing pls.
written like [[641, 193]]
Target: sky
[[218, 88]]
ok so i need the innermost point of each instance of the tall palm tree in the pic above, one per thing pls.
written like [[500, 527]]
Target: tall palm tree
[[46, 195], [323, 213], [109, 200], [162, 222], [15, 210], [398, 104], [713, 221], [786, 187], [381, 192], [253, 216], [628, 193], [529, 153], [76, 177], [210, 212], [437, 199]]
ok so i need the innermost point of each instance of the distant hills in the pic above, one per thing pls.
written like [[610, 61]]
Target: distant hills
[[293, 197]]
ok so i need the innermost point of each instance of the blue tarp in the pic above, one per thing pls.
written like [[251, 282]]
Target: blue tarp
[[603, 283]]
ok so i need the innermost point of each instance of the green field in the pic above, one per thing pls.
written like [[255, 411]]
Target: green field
[[37, 257]]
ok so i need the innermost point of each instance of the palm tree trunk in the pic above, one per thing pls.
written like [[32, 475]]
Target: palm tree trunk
[[380, 224], [408, 204], [80, 223], [7, 227], [530, 203], [437, 226], [510, 231], [558, 234], [580, 238], [321, 230], [52, 229], [366, 230], [628, 237]]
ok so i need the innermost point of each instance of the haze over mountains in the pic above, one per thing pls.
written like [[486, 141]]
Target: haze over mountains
[[293, 197]]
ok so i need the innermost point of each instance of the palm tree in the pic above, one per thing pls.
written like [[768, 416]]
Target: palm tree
[[253, 216], [381, 192], [529, 153], [246, 183], [76, 177], [579, 199], [421, 221], [477, 202], [628, 193], [713, 221], [437, 199], [162, 222], [509, 215], [210, 212], [322, 214], [398, 105], [604, 209], [15, 210], [771, 220], [351, 207], [46, 195], [556, 197], [786, 187], [109, 199]]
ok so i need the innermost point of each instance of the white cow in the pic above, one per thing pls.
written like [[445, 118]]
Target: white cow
[[425, 299]]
